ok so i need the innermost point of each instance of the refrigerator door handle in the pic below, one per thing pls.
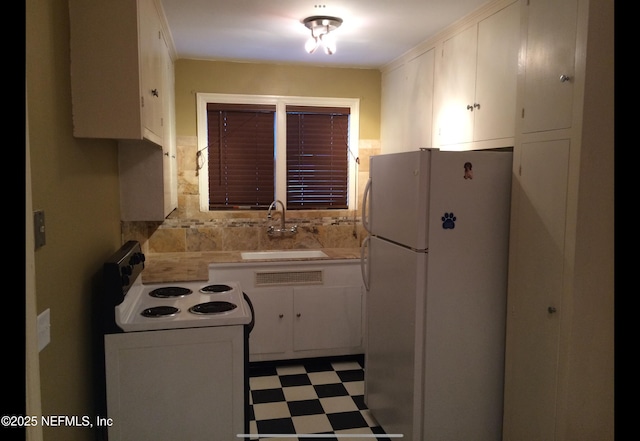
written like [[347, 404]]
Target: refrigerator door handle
[[365, 199], [364, 261]]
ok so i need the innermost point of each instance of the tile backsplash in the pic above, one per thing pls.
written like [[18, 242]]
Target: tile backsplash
[[189, 229]]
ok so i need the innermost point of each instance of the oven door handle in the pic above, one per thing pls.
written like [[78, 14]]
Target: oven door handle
[[253, 315]]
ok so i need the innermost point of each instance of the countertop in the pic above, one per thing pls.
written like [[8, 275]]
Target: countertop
[[194, 266]]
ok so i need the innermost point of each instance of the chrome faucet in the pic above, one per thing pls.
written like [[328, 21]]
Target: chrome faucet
[[282, 228], [272, 206]]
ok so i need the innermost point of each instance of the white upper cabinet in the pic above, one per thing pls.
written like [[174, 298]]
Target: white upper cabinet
[[116, 69], [456, 87], [153, 53], [407, 105], [122, 86], [476, 82], [392, 111], [420, 76], [549, 65]]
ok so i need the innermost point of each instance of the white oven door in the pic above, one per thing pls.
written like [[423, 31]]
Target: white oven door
[[179, 384]]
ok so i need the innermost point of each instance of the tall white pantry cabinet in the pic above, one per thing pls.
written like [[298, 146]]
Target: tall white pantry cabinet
[[122, 86], [559, 370]]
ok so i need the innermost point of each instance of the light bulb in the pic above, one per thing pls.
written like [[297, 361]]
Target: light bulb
[[329, 43], [311, 45]]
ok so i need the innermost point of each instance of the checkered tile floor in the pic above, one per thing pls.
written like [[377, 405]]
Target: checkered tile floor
[[308, 397]]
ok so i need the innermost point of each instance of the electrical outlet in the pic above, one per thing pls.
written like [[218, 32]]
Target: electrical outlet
[[44, 329]]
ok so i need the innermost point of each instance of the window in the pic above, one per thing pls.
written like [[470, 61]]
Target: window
[[256, 149]]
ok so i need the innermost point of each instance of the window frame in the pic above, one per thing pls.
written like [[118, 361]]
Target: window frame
[[281, 102]]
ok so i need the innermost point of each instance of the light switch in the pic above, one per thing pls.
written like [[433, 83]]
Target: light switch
[[38, 227], [44, 329]]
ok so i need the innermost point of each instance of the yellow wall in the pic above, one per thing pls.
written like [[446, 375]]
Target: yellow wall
[[194, 76], [75, 182]]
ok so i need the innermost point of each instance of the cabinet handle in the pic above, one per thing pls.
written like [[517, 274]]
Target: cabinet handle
[[476, 105], [280, 315], [155, 92], [298, 315], [551, 309], [564, 78], [469, 107]]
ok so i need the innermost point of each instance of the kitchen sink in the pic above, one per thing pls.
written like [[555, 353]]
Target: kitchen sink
[[282, 254]]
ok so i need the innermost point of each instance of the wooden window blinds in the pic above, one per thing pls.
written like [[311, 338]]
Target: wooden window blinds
[[241, 155], [317, 157], [241, 162]]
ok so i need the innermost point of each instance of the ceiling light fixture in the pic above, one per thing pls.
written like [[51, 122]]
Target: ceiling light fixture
[[321, 26]]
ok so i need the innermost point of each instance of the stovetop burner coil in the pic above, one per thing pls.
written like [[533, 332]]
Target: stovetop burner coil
[[160, 311], [215, 289], [170, 291], [212, 307]]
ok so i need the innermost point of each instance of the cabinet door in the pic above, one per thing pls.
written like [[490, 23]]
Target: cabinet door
[[407, 105], [327, 317], [393, 115], [534, 301], [497, 75], [151, 69], [273, 317], [419, 85], [550, 64], [170, 166], [140, 166], [457, 87], [105, 83]]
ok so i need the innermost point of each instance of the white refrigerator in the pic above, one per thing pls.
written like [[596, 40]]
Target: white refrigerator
[[435, 268]]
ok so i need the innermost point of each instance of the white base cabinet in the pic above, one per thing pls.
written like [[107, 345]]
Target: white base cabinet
[[273, 327], [326, 318], [302, 308]]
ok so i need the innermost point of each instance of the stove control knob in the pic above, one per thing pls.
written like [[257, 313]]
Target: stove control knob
[[126, 270], [125, 280], [136, 258]]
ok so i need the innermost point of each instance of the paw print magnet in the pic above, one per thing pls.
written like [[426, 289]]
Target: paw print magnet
[[448, 221]]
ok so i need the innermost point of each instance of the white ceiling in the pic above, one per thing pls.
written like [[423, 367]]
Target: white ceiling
[[373, 33]]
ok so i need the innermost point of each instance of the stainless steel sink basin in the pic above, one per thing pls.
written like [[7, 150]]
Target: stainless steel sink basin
[[282, 254]]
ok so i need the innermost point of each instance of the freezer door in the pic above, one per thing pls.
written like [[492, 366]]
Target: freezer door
[[395, 311], [399, 197]]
